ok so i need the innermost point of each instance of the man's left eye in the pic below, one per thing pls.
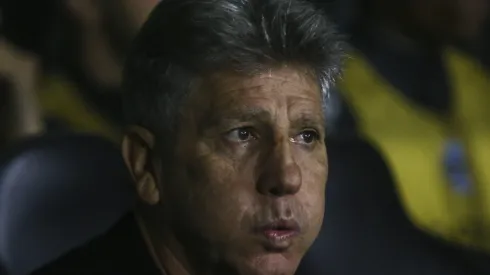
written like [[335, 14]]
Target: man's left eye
[[307, 137], [241, 135]]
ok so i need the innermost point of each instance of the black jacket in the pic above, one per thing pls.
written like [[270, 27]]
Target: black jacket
[[122, 250]]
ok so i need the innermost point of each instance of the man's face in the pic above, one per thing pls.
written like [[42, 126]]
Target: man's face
[[250, 171]]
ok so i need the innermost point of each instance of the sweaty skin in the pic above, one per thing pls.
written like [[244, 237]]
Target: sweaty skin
[[250, 153]]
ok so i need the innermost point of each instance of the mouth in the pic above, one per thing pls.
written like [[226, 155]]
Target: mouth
[[279, 235]]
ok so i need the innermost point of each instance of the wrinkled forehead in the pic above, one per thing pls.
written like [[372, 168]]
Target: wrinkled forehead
[[225, 94], [232, 88]]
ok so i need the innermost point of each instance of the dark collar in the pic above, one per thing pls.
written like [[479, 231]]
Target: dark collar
[[121, 250]]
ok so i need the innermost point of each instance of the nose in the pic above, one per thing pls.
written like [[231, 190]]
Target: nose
[[280, 175]]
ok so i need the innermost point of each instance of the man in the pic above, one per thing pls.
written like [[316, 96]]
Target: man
[[226, 100], [81, 92]]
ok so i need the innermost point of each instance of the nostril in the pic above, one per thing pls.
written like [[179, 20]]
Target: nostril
[[276, 191]]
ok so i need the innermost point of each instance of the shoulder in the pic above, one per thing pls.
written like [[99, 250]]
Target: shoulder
[[119, 251]]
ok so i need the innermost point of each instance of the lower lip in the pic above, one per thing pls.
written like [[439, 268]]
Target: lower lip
[[279, 239]]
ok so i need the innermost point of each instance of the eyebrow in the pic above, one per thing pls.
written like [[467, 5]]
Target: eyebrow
[[248, 114], [308, 120], [241, 114]]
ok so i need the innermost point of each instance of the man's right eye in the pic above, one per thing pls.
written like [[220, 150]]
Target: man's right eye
[[241, 135]]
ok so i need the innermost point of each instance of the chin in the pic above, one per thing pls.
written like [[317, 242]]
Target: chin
[[273, 264]]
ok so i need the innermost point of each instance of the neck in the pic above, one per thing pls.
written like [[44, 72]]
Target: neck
[[99, 62], [166, 252]]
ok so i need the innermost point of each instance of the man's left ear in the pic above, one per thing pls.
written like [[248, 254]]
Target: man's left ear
[[137, 146]]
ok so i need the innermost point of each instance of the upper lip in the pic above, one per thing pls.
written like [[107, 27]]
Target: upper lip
[[281, 225]]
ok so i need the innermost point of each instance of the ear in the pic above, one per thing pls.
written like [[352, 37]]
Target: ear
[[137, 146], [85, 11]]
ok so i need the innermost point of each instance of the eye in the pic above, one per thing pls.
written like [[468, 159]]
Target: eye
[[307, 137], [240, 135]]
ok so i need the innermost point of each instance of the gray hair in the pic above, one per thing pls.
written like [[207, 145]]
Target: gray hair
[[185, 38]]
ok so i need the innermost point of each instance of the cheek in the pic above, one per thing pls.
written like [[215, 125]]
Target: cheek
[[314, 172], [313, 188], [314, 169], [218, 195]]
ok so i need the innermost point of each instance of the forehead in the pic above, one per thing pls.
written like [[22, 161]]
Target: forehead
[[286, 83]]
